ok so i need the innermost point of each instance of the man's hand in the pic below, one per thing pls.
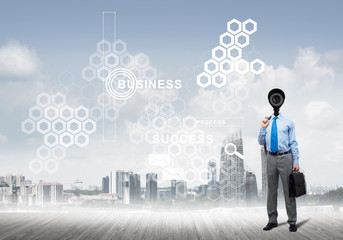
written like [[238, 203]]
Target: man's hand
[[265, 123], [295, 168]]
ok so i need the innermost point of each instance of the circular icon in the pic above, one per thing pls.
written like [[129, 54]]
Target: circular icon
[[231, 149], [121, 84]]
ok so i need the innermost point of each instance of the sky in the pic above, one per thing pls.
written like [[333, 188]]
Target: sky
[[299, 42]]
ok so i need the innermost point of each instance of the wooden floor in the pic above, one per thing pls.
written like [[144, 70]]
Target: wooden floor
[[217, 224]]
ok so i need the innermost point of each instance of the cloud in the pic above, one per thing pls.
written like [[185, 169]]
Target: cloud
[[17, 60], [321, 113], [3, 139]]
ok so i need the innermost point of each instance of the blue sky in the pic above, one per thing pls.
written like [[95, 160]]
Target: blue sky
[[296, 39]]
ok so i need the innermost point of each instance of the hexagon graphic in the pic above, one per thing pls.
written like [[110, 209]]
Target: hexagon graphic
[[218, 53], [28, 126], [51, 139], [127, 60], [43, 100], [179, 105], [36, 113], [96, 60], [81, 139], [234, 53], [43, 126], [97, 113], [249, 26], [234, 106], [51, 166], [242, 66], [58, 152], [66, 113], [241, 92], [111, 113], [66, 139], [36, 165], [257, 66], [59, 100], [219, 106], [159, 123], [151, 109], [136, 136], [190, 123], [51, 113], [234, 26], [119, 47], [89, 126], [103, 72], [174, 123], [142, 60], [43, 152], [81, 113], [204, 80], [198, 162], [174, 149], [226, 93], [191, 176], [211, 66], [111, 60], [189, 149], [73, 126], [103, 47], [104, 100], [89, 73], [149, 73], [167, 110], [242, 39], [226, 40], [226, 66], [219, 80]]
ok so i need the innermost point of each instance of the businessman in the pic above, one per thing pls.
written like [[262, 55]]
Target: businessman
[[278, 136]]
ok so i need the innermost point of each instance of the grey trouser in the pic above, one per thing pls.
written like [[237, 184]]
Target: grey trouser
[[282, 165]]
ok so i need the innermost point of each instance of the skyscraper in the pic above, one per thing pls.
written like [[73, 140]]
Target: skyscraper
[[251, 188], [173, 189], [232, 185], [212, 178], [151, 187], [105, 184], [135, 188], [181, 189]]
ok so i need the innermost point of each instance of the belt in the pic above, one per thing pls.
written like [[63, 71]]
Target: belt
[[278, 153]]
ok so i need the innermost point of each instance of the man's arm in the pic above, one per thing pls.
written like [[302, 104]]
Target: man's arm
[[293, 144], [262, 136]]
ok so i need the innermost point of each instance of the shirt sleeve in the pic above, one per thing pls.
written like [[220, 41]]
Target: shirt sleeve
[[262, 136], [293, 144]]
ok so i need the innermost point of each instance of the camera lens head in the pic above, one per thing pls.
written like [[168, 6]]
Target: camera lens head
[[276, 97]]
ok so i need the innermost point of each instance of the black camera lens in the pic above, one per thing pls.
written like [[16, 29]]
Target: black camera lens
[[276, 99]]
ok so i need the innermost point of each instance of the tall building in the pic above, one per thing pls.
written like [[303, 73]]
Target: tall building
[[151, 187], [251, 188], [105, 184], [212, 189], [173, 189], [124, 187], [181, 189], [49, 193], [135, 188], [232, 185], [56, 193]]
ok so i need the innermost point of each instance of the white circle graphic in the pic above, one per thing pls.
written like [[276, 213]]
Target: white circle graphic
[[113, 79]]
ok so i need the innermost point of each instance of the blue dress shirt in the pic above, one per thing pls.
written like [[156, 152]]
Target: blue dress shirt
[[286, 136]]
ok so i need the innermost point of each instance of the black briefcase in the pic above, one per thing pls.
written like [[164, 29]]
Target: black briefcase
[[297, 185]]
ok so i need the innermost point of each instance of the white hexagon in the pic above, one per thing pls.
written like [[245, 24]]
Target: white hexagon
[[219, 106], [96, 60], [190, 123], [226, 40], [257, 66], [103, 72], [103, 47], [136, 71], [159, 123], [81, 139], [28, 126], [73, 126], [119, 47], [226, 66], [198, 162], [127, 60], [174, 149], [81, 113], [189, 149], [36, 165], [242, 66], [249, 26], [66, 139], [111, 60], [167, 110], [43, 152], [51, 166], [218, 53], [234, 53], [234, 26], [241, 92], [59, 100], [43, 100], [219, 80], [136, 136], [58, 152], [242, 39], [174, 123], [204, 80], [36, 113], [226, 93], [142, 60], [179, 105], [51, 113], [151, 109], [234, 106], [211, 66], [111, 113], [66, 113], [43, 126], [89, 126], [104, 100], [51, 139], [149, 73], [89, 73], [97, 113]]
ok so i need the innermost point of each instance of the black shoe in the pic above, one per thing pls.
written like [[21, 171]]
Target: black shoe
[[292, 228], [270, 226]]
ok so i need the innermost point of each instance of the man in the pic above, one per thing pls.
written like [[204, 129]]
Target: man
[[278, 136]]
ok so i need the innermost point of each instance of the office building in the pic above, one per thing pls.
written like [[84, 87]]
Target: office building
[[135, 188], [181, 189], [151, 188], [173, 189], [105, 184], [251, 188]]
